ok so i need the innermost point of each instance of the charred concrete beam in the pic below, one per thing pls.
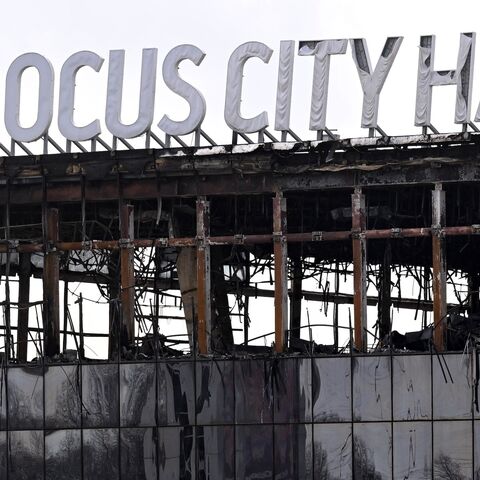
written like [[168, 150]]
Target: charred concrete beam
[[127, 275], [259, 169], [439, 280], [24, 271], [51, 277], [204, 298], [359, 250]]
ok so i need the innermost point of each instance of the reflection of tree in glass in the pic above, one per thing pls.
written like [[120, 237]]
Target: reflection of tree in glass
[[321, 464], [447, 469], [100, 454], [62, 395], [25, 454], [63, 454], [137, 381], [363, 465]]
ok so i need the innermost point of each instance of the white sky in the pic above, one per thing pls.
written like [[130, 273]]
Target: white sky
[[58, 28]]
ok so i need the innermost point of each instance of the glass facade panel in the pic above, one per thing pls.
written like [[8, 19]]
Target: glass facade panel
[[25, 398], [452, 450], [138, 453], [100, 399], [412, 450], [372, 451], [452, 386], [100, 454], [332, 446], [215, 452], [254, 451], [332, 390], [372, 384], [176, 453], [215, 392], [253, 391], [137, 395], [25, 455], [63, 455], [412, 387], [248, 418], [176, 393], [62, 396]]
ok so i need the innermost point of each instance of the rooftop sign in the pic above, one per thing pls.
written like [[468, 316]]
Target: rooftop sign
[[372, 80]]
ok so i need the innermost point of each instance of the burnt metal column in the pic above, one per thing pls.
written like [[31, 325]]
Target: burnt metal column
[[127, 275], [359, 249], [296, 297], [204, 314], [51, 278], [23, 304], [439, 280], [280, 259]]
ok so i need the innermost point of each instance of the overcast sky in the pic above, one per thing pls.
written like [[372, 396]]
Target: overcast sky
[[58, 28]]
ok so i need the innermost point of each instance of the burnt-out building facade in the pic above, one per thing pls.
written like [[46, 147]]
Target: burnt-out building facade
[[286, 310]]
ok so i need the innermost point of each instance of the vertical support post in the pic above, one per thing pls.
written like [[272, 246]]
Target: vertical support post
[[439, 280], [81, 352], [51, 294], [23, 303], [280, 261], [114, 305], [335, 308], [296, 298], [359, 249], [384, 292], [204, 313], [127, 276], [65, 315], [246, 318], [473, 288]]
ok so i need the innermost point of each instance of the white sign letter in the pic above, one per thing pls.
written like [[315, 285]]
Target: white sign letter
[[115, 89], [233, 96], [194, 98], [66, 101], [284, 85], [461, 77], [372, 83], [45, 97], [322, 50]]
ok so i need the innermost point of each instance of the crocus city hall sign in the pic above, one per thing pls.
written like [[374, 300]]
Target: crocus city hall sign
[[371, 79]]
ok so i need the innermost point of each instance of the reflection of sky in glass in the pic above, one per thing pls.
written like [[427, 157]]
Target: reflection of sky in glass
[[179, 417]]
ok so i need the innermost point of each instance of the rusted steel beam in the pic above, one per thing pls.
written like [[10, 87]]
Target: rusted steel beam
[[127, 275], [23, 305], [204, 314], [51, 278], [280, 261], [317, 236], [359, 248], [439, 280]]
